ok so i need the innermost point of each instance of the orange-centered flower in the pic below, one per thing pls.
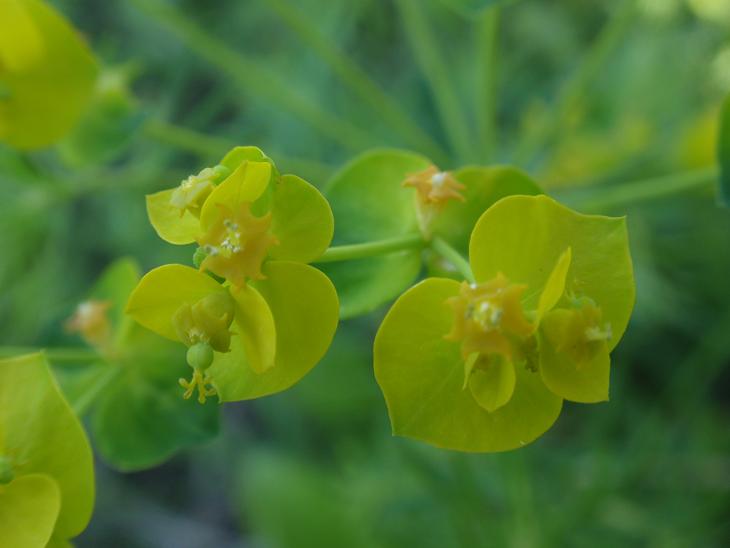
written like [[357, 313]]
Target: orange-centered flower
[[488, 317], [91, 321], [435, 187], [236, 244]]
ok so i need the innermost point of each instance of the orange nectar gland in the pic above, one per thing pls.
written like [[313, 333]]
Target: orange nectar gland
[[204, 327], [236, 244], [488, 318], [434, 189], [91, 321], [193, 191]]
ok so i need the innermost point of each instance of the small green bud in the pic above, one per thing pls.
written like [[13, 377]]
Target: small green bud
[[199, 256], [220, 172], [6, 471]]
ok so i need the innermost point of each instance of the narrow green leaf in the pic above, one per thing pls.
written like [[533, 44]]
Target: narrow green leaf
[[723, 153]]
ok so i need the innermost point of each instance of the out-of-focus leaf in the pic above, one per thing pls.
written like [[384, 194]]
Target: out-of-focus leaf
[[363, 285], [41, 435], [142, 418], [723, 153], [46, 74], [473, 7], [106, 127], [114, 286], [293, 505]]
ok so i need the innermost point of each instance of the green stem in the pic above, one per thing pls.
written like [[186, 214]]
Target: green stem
[[371, 249], [82, 404], [428, 56], [487, 39], [575, 87], [355, 78], [255, 78], [58, 355], [601, 199], [454, 257]]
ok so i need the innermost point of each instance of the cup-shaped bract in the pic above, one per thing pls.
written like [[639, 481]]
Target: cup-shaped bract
[[485, 366], [47, 74], [47, 488]]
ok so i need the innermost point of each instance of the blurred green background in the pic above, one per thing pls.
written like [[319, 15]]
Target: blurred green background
[[590, 97]]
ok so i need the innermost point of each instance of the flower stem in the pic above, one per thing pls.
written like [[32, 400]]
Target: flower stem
[[487, 45], [646, 189], [454, 257], [371, 249], [574, 89], [435, 68]]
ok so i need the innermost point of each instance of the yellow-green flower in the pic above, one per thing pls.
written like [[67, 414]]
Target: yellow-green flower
[[273, 316], [484, 366]]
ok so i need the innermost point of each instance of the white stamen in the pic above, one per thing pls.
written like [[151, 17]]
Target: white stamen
[[438, 179]]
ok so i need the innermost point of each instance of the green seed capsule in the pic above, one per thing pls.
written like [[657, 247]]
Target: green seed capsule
[[200, 356]]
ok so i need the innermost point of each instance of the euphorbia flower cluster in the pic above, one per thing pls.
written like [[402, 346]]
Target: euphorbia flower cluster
[[254, 315], [484, 365]]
